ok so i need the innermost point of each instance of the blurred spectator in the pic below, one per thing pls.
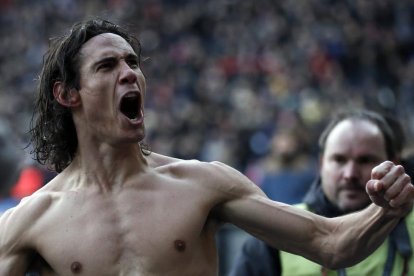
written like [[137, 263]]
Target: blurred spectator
[[406, 155], [351, 145], [293, 169], [31, 178], [10, 165], [19, 177], [287, 172]]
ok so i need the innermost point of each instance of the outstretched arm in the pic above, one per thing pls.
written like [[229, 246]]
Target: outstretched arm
[[335, 242]]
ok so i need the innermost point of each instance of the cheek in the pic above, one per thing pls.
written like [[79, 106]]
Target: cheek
[[330, 178], [94, 101], [366, 175], [96, 107], [330, 171], [96, 94], [98, 84]]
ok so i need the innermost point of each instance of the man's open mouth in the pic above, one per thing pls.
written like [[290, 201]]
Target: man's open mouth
[[131, 106]]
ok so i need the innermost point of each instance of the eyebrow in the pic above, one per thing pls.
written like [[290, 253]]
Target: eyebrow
[[368, 156], [113, 58], [103, 60], [132, 57]]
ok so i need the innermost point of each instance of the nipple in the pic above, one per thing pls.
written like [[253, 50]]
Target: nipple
[[179, 245], [76, 267]]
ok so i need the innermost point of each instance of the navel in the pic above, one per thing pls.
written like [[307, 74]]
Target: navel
[[179, 245], [76, 267]]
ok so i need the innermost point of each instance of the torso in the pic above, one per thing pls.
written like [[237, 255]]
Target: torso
[[158, 224]]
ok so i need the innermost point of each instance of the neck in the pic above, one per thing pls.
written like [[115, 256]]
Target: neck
[[106, 165]]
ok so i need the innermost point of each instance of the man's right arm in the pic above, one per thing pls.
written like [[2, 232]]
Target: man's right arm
[[16, 243]]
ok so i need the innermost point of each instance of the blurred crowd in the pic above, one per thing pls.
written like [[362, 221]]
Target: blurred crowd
[[225, 76], [249, 83]]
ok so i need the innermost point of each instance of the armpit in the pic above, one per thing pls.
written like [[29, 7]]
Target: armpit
[[38, 266]]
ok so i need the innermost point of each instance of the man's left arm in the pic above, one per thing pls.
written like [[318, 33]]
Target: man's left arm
[[332, 242]]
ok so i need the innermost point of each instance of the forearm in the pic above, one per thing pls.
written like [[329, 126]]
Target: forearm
[[331, 242], [357, 235]]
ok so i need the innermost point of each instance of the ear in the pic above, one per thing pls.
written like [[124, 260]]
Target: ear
[[68, 98]]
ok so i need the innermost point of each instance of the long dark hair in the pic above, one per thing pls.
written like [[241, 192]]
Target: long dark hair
[[52, 130]]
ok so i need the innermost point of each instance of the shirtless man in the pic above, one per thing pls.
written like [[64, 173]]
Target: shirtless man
[[115, 209]]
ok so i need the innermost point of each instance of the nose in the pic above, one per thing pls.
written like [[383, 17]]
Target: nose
[[350, 170], [127, 74]]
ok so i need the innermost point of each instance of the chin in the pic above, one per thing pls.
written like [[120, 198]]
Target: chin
[[136, 136], [134, 140], [128, 139]]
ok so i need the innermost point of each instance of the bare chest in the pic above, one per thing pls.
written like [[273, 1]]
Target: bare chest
[[132, 233]]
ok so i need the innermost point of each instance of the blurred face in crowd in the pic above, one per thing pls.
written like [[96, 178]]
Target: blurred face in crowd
[[112, 89], [352, 150]]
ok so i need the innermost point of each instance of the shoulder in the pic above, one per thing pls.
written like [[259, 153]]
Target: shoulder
[[16, 223], [156, 160], [219, 179], [215, 175], [210, 172], [187, 167]]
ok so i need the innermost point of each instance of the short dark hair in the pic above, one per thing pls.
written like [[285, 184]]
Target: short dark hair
[[53, 133], [391, 146]]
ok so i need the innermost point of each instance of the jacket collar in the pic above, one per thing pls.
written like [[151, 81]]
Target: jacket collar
[[318, 203]]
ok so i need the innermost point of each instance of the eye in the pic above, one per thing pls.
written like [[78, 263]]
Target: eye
[[104, 66], [368, 160], [133, 63], [339, 159]]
